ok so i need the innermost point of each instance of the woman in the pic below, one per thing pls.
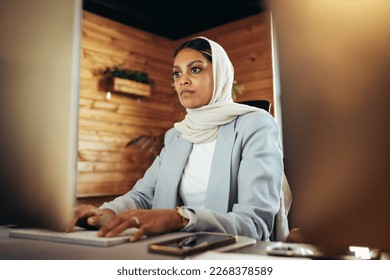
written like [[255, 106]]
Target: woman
[[222, 164]]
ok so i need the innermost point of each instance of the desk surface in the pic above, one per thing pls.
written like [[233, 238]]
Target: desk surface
[[27, 249]]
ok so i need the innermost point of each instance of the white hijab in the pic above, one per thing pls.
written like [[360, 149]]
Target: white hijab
[[200, 125]]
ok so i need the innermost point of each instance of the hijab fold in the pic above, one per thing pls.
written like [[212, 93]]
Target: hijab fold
[[200, 125]]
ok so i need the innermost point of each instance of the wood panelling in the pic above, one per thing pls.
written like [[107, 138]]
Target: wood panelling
[[107, 167]]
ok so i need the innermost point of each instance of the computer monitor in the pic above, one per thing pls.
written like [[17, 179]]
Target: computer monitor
[[334, 65], [39, 87]]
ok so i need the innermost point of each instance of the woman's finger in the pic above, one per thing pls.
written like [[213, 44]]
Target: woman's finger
[[82, 211], [138, 234], [120, 228], [121, 222]]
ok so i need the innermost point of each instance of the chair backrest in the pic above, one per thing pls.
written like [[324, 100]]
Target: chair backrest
[[281, 225], [262, 104]]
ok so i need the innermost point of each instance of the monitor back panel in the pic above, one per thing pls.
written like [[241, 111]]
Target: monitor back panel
[[39, 85], [334, 64]]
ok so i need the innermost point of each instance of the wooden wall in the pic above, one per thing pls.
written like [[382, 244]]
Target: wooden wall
[[108, 168]]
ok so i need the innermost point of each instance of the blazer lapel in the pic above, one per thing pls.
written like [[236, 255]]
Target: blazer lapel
[[171, 169], [217, 196]]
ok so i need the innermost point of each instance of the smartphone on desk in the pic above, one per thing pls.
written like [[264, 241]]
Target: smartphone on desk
[[192, 244]]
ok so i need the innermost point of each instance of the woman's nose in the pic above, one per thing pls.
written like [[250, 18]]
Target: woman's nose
[[185, 80]]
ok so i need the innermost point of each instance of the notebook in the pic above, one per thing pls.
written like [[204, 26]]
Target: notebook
[[76, 236]]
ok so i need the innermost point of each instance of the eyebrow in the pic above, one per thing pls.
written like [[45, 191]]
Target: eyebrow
[[191, 63]]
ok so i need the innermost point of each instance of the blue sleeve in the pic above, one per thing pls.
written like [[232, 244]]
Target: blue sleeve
[[142, 194]]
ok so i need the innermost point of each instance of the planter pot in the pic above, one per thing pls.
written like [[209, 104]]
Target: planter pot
[[126, 86]]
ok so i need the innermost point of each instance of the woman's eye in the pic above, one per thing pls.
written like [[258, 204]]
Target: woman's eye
[[176, 74], [195, 70]]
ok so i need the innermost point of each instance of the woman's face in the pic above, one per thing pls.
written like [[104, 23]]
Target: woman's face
[[193, 78]]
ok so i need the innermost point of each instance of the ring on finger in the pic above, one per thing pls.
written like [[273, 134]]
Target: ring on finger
[[136, 220]]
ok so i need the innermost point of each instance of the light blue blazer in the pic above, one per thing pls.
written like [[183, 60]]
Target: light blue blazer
[[243, 194]]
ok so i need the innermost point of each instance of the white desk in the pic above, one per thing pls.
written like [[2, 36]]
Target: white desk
[[28, 249]]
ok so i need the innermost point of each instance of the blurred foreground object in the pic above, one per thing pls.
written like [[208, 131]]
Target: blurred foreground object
[[334, 63]]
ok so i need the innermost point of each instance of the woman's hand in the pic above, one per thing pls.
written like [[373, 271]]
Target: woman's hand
[[148, 221], [89, 216]]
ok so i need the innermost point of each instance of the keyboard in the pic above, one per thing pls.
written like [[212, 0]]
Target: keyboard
[[76, 236]]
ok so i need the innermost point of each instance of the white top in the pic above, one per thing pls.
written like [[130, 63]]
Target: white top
[[195, 178]]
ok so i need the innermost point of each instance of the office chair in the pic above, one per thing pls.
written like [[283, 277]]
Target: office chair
[[281, 225], [262, 104]]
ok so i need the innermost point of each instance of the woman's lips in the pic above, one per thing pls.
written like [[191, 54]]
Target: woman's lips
[[186, 91]]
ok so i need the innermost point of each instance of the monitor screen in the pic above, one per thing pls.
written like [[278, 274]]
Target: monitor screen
[[334, 65], [39, 87]]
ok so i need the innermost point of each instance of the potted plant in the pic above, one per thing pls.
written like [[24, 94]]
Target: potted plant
[[128, 81]]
